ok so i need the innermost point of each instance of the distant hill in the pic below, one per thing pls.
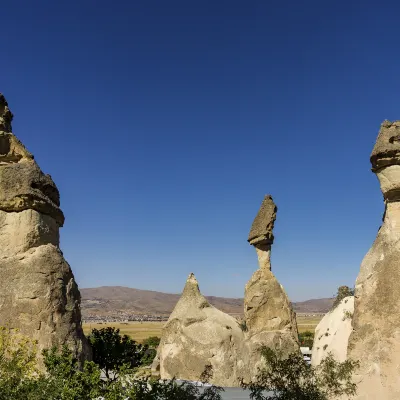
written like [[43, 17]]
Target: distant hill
[[107, 299]]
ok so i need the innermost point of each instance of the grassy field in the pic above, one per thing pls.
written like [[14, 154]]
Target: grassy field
[[306, 323], [136, 330], [142, 330]]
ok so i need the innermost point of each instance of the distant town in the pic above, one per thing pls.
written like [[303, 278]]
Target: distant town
[[122, 316]]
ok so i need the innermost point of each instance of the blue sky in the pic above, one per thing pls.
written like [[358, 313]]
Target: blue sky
[[164, 123]]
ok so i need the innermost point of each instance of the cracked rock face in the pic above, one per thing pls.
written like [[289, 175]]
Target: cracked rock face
[[375, 340], [38, 293]]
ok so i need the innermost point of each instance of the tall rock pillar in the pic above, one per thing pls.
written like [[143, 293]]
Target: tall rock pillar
[[38, 293], [375, 340], [270, 319]]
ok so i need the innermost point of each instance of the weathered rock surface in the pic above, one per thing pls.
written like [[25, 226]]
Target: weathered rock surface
[[333, 331], [270, 319], [196, 335], [375, 340], [263, 224], [38, 293]]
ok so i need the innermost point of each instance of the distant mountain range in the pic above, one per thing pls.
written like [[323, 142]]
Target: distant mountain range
[[105, 300]]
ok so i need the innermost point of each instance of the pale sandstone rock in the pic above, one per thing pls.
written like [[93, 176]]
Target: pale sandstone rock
[[333, 331], [196, 335], [375, 340], [269, 316], [38, 293]]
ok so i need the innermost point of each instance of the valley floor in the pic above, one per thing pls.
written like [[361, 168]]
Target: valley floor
[[140, 331]]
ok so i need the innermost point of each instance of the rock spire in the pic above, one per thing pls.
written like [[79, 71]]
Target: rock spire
[[197, 334], [376, 322], [38, 292], [269, 316]]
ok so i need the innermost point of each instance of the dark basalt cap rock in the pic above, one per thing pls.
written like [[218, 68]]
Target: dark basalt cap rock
[[5, 115], [387, 147], [263, 224]]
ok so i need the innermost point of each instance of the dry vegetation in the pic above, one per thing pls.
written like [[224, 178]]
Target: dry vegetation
[[142, 330], [307, 323], [138, 331]]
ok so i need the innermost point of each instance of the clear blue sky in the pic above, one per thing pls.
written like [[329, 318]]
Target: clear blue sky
[[164, 123]]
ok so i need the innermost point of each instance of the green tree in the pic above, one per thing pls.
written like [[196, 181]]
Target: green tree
[[343, 291], [291, 378], [112, 351], [152, 341], [18, 362], [306, 339]]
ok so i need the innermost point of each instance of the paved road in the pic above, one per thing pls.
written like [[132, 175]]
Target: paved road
[[235, 394]]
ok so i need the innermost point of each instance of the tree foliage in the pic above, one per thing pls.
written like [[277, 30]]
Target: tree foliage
[[306, 339], [111, 351], [67, 379], [290, 378], [343, 291], [152, 341]]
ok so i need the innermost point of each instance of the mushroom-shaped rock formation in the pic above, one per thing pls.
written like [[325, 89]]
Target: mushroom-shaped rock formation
[[333, 331], [270, 319], [197, 335], [38, 293], [375, 340]]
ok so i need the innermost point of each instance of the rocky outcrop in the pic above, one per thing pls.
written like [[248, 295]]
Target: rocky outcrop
[[375, 340], [333, 331], [270, 319], [197, 335], [38, 293]]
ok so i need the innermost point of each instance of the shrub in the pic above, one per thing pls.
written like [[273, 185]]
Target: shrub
[[343, 291], [290, 378], [66, 379], [152, 341], [306, 339], [17, 362]]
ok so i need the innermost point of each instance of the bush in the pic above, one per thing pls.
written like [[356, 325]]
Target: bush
[[306, 339], [66, 379], [152, 341], [291, 378], [149, 356], [17, 363], [343, 291]]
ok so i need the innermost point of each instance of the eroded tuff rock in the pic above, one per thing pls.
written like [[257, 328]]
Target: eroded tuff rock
[[196, 335], [333, 331], [269, 316], [375, 340], [5, 115], [38, 293]]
